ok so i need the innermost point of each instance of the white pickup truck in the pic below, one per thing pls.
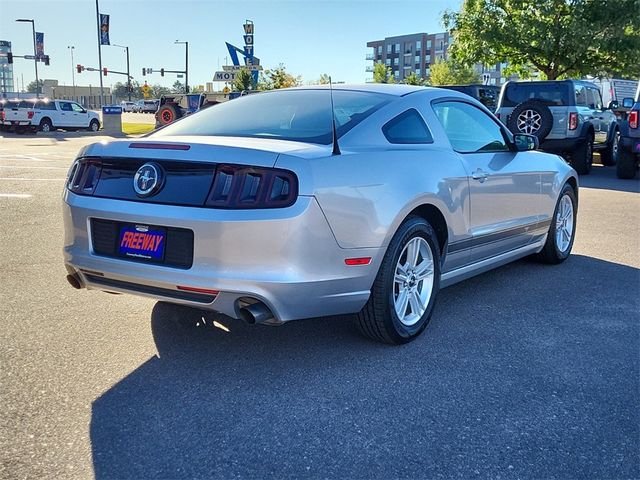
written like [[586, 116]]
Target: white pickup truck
[[47, 115]]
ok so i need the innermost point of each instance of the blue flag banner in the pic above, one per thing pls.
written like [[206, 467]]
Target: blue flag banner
[[104, 29], [39, 45]]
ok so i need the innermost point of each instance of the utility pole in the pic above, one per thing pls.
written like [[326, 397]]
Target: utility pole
[[73, 72], [99, 54], [128, 73], [35, 55], [186, 65]]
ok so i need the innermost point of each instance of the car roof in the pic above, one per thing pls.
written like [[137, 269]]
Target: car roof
[[398, 90]]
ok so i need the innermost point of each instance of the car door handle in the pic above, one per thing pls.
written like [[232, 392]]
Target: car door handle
[[480, 175]]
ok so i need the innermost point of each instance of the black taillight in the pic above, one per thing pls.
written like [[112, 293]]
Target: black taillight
[[241, 186], [84, 175]]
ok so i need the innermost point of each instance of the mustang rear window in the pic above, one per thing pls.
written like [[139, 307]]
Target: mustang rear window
[[298, 115]]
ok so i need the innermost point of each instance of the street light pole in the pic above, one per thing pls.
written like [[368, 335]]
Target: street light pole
[[99, 55], [128, 73], [73, 72], [186, 65], [35, 60]]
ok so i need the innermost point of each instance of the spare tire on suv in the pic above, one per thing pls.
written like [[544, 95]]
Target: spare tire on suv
[[531, 117]]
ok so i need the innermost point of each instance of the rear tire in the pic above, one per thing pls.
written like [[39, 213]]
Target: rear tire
[[582, 156], [609, 156], [408, 279], [45, 125], [626, 166], [562, 231]]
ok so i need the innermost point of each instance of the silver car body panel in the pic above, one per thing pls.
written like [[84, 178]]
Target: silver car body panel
[[349, 206]]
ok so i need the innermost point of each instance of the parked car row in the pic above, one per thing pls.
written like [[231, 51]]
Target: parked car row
[[46, 115], [629, 158], [569, 117]]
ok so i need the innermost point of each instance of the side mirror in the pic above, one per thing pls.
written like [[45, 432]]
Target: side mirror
[[524, 142], [613, 105], [627, 102]]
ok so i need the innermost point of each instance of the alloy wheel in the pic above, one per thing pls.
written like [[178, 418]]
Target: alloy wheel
[[413, 281], [564, 223], [529, 122]]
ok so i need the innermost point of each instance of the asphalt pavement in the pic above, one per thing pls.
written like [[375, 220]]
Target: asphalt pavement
[[528, 371]]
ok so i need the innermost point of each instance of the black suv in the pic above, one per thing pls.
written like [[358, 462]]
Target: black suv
[[630, 144], [485, 94], [567, 116]]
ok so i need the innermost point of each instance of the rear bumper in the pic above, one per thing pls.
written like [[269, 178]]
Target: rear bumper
[[286, 258]]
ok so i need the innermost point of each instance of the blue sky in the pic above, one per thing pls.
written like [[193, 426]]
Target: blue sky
[[308, 37]]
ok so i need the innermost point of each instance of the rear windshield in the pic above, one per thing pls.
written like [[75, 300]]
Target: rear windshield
[[551, 94], [298, 115], [19, 104]]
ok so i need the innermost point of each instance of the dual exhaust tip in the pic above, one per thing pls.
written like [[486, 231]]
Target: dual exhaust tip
[[252, 313], [257, 313]]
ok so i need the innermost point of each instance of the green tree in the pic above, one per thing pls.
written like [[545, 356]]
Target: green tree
[[278, 78], [244, 81], [324, 79], [413, 79], [158, 90], [382, 74], [31, 87], [177, 87], [448, 72], [119, 90], [560, 38]]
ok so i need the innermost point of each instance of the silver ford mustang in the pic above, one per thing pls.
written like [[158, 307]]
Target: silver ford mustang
[[309, 202]]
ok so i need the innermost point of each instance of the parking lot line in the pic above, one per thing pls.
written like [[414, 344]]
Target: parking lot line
[[33, 179], [32, 166], [15, 195]]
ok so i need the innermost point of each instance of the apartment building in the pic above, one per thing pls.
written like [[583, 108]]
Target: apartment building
[[417, 52]]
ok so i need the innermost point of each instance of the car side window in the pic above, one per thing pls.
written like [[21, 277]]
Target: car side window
[[581, 96], [65, 107], [469, 129], [597, 98], [77, 108], [407, 128]]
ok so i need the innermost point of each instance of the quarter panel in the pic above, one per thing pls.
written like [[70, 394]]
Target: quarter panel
[[366, 193]]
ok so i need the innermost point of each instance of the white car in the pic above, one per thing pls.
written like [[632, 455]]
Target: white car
[[127, 106], [47, 115]]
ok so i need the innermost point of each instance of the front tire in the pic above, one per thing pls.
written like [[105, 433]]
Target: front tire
[[562, 231], [609, 156], [582, 156], [406, 287], [94, 125]]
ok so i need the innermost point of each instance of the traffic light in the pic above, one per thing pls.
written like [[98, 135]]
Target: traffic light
[[162, 72], [144, 72], [9, 57], [79, 68], [104, 71], [46, 60]]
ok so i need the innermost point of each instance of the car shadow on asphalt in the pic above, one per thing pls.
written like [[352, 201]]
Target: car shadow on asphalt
[[604, 178], [525, 371]]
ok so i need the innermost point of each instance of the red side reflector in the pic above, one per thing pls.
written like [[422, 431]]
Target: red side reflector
[[198, 290], [160, 146], [358, 261]]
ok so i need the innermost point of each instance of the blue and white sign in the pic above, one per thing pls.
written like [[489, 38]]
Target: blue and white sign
[[111, 110]]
